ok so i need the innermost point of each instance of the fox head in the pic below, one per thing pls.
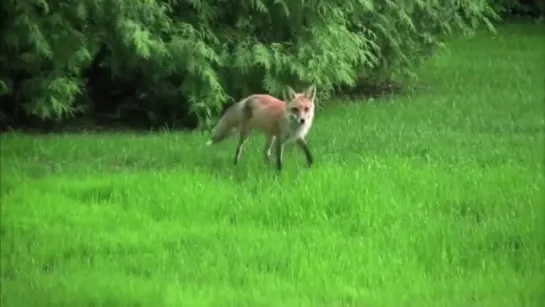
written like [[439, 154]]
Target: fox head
[[300, 106]]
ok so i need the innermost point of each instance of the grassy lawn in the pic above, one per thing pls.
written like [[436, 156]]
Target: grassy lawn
[[432, 199]]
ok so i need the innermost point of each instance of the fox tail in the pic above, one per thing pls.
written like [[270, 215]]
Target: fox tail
[[228, 123]]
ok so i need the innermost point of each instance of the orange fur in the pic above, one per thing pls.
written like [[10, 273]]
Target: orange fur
[[280, 121]]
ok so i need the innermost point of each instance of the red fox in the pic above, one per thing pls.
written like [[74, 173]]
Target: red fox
[[280, 121]]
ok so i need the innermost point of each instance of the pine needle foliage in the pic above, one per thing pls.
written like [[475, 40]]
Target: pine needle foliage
[[195, 56]]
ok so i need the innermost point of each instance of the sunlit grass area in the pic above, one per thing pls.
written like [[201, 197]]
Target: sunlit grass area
[[432, 199]]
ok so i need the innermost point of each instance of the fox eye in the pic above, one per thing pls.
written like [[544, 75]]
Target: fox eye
[[306, 109], [294, 110]]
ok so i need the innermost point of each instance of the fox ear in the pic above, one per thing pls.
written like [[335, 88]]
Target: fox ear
[[310, 92], [289, 93]]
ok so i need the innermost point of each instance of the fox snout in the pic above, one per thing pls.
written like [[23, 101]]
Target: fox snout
[[297, 119]]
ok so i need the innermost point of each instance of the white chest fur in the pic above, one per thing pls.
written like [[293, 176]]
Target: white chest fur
[[296, 131]]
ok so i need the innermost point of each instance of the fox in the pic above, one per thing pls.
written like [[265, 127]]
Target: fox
[[281, 122]]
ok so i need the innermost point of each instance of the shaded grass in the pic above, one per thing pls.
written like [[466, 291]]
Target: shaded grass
[[432, 199]]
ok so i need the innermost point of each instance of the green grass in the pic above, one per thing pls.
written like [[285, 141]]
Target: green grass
[[433, 199]]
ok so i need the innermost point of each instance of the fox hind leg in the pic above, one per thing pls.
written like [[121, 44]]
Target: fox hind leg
[[244, 129], [268, 146], [279, 145], [244, 132], [243, 137]]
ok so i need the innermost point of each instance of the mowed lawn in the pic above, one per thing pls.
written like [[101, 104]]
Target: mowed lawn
[[431, 199]]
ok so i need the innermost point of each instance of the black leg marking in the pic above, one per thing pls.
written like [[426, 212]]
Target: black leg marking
[[303, 145], [279, 152]]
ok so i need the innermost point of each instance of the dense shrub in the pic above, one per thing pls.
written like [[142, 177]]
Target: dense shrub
[[519, 8], [166, 59]]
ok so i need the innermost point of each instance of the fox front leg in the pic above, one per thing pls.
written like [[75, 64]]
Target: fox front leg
[[303, 145], [279, 145]]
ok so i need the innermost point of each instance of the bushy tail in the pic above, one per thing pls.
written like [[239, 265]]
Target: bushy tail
[[227, 124]]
